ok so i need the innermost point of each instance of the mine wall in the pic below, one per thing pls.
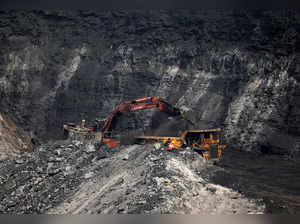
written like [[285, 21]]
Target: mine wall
[[237, 70]]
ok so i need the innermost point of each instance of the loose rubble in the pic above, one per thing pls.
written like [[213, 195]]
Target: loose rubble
[[64, 179]]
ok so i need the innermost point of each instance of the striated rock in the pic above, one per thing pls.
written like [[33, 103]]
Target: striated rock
[[13, 139], [235, 70]]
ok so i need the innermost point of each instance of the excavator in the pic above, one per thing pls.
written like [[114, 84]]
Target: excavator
[[138, 104], [200, 140], [106, 126]]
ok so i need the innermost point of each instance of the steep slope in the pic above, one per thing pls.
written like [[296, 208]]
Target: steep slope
[[12, 139], [238, 70]]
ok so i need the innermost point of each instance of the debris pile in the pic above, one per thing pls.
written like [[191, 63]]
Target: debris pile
[[74, 178]]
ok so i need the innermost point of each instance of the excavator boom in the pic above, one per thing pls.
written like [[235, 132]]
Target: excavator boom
[[134, 105]]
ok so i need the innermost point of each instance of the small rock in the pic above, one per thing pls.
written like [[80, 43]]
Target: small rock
[[121, 210], [212, 189], [89, 175], [77, 143], [11, 204], [195, 194], [68, 168], [157, 145], [20, 190], [126, 157], [153, 158], [101, 156], [38, 180], [19, 161], [90, 148], [41, 149], [56, 146], [40, 170], [55, 159], [121, 181], [52, 172], [58, 152]]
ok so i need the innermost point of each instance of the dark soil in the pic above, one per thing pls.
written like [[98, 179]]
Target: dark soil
[[275, 178]]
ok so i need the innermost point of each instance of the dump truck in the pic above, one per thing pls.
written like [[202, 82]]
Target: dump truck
[[207, 142]]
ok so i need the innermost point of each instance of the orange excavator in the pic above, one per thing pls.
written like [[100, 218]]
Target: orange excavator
[[110, 121], [134, 105]]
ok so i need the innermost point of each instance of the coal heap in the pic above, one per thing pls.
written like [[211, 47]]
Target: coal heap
[[76, 178]]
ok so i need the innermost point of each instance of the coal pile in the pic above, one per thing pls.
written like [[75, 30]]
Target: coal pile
[[33, 183], [78, 178]]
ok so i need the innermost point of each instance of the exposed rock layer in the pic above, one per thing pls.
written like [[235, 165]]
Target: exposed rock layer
[[13, 139], [238, 70]]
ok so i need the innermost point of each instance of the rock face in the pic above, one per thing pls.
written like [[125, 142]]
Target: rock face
[[13, 139], [237, 70]]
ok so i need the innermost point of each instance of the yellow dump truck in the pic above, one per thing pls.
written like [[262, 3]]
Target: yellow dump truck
[[208, 142]]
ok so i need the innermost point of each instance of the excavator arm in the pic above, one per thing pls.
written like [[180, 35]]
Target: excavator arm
[[138, 104]]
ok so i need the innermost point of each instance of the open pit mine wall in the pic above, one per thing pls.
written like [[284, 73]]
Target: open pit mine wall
[[13, 139], [238, 70]]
